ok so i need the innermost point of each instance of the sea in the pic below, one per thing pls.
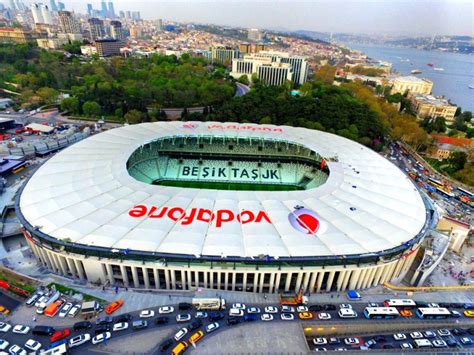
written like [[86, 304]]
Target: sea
[[452, 83]]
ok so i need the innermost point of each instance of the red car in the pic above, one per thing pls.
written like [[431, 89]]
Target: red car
[[60, 334]]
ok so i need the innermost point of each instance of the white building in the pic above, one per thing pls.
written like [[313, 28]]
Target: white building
[[68, 22], [36, 12], [269, 72], [255, 35], [46, 14]]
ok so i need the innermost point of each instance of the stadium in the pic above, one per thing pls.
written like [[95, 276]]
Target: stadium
[[227, 206]]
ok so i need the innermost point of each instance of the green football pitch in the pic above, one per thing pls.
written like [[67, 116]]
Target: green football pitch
[[228, 186]]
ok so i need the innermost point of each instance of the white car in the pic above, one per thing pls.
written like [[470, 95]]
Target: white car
[[147, 313], [430, 334], [40, 310], [432, 305], [40, 300], [65, 310], [180, 334], [266, 317], [347, 313], [399, 336], [32, 345], [235, 312], [5, 327], [211, 327], [320, 341], [3, 344], [287, 316], [185, 317], [324, 316], [74, 310], [120, 326], [406, 346], [100, 338], [444, 332], [301, 309], [345, 306], [416, 335], [351, 341], [165, 310], [239, 306], [251, 310], [271, 309], [79, 340], [21, 329], [287, 309], [16, 350], [438, 343]]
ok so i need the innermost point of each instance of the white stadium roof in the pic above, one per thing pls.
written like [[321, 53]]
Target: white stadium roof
[[85, 193]]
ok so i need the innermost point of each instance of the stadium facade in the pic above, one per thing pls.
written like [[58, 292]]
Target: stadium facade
[[260, 208]]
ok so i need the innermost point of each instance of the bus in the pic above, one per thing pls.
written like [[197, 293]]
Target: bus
[[381, 312], [19, 168], [445, 193], [405, 303], [435, 183], [211, 304], [466, 193], [433, 313]]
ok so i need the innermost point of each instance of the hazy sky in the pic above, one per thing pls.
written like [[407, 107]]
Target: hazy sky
[[371, 16]]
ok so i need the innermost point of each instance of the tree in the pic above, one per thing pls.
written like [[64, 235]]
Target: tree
[[244, 79], [467, 116], [458, 159], [326, 74], [266, 120], [118, 112], [91, 109], [134, 117], [459, 123], [48, 95], [70, 104], [184, 114], [73, 48]]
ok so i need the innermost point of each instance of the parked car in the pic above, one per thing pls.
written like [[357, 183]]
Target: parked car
[[165, 345], [266, 317], [123, 318], [165, 310], [4, 327], [104, 320], [111, 308], [139, 324], [287, 316], [102, 328], [195, 325], [74, 311], [100, 338], [3, 344], [183, 317], [200, 315], [17, 350], [43, 330], [60, 334], [79, 340], [65, 310], [180, 334], [21, 329], [147, 313], [324, 316], [213, 316], [33, 345], [271, 309], [253, 310], [184, 306], [161, 320], [212, 327], [84, 325], [233, 320], [120, 326]]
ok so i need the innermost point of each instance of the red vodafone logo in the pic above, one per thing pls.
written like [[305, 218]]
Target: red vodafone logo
[[189, 125], [305, 221]]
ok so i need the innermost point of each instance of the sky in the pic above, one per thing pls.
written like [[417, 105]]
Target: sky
[[384, 17]]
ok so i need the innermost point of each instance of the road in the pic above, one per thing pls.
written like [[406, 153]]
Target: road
[[241, 89], [173, 326]]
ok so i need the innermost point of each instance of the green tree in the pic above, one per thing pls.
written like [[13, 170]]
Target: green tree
[[70, 104], [48, 95], [134, 117], [266, 120], [326, 74], [73, 48], [458, 159], [91, 109], [244, 79]]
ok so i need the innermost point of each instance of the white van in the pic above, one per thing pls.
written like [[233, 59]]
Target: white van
[[347, 313], [422, 343]]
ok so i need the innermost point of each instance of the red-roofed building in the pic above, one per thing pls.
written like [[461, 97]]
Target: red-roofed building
[[458, 142], [444, 146]]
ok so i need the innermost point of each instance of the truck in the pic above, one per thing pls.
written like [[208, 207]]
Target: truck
[[90, 309], [210, 304], [290, 299]]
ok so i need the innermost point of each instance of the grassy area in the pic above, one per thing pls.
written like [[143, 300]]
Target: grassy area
[[228, 186], [95, 119], [70, 291], [441, 166], [18, 281]]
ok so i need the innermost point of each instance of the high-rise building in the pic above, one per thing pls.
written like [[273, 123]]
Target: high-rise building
[[90, 10], [267, 71], [52, 5], [255, 35], [122, 14], [36, 12], [103, 9], [61, 6], [136, 16], [108, 47], [128, 15], [247, 48], [68, 22], [96, 28], [159, 24], [136, 32], [116, 30], [111, 10], [223, 55], [46, 14], [20, 6], [13, 5]]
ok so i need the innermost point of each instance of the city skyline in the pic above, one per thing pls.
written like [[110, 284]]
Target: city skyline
[[450, 17]]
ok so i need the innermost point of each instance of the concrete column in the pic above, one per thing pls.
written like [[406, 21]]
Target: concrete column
[[123, 270], [53, 262], [330, 280], [80, 271], [110, 273], [167, 279], [211, 280], [312, 281], [157, 278], [218, 280], [346, 279], [57, 263], [298, 281], [272, 282], [63, 264], [340, 279], [173, 279], [398, 267], [378, 275], [255, 282], [354, 279], [361, 278], [368, 277], [146, 278], [244, 282], [233, 276], [288, 281], [390, 272], [183, 279], [196, 279], [262, 278], [72, 266], [45, 259], [205, 279], [319, 283], [277, 282], [136, 282], [189, 279], [226, 278]]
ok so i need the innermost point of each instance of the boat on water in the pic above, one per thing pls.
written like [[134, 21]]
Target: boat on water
[[405, 60], [430, 64], [471, 86], [438, 69], [416, 71]]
